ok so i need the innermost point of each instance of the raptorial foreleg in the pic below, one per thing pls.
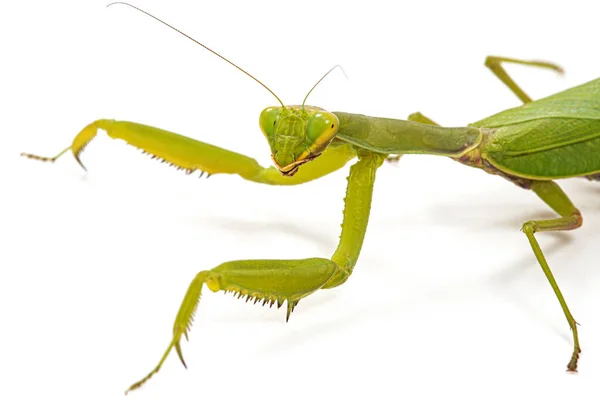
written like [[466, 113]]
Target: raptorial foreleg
[[279, 281], [192, 155]]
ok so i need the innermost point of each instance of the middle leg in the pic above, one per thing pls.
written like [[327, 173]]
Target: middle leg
[[495, 65]]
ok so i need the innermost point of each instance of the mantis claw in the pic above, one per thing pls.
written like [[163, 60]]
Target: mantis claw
[[180, 354]]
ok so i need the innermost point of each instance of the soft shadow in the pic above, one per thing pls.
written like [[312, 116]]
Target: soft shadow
[[485, 216], [503, 280], [310, 333], [529, 261], [593, 188], [306, 232]]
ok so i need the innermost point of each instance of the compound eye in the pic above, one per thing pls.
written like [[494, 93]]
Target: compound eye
[[268, 120], [321, 128]]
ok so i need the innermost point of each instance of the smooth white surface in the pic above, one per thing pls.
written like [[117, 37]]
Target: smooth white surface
[[447, 300]]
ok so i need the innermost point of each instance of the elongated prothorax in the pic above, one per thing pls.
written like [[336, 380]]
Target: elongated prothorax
[[394, 136]]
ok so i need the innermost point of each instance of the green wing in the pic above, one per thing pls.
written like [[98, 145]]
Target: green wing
[[581, 101], [554, 137]]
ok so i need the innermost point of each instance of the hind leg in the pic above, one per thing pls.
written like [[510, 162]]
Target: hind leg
[[570, 218]]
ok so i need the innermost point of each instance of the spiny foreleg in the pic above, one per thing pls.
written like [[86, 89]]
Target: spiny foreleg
[[286, 281], [269, 281], [192, 155]]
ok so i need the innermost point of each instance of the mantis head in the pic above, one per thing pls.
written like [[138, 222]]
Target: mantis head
[[297, 134]]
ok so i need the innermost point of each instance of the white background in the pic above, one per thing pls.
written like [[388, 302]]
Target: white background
[[446, 301]]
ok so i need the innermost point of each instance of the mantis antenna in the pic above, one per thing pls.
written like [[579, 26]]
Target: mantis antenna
[[319, 81], [197, 42]]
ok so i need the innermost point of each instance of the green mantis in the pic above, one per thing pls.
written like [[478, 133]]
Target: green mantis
[[531, 145]]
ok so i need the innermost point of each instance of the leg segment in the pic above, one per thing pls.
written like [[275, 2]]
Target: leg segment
[[279, 281], [272, 281], [570, 218], [191, 155], [495, 65], [418, 117]]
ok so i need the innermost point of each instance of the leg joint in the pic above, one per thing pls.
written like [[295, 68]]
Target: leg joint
[[491, 61], [578, 219], [529, 228], [566, 223]]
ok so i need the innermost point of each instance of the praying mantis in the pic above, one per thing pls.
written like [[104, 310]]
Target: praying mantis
[[531, 146]]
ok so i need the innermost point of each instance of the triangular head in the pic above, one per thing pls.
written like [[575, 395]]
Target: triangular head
[[297, 134]]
